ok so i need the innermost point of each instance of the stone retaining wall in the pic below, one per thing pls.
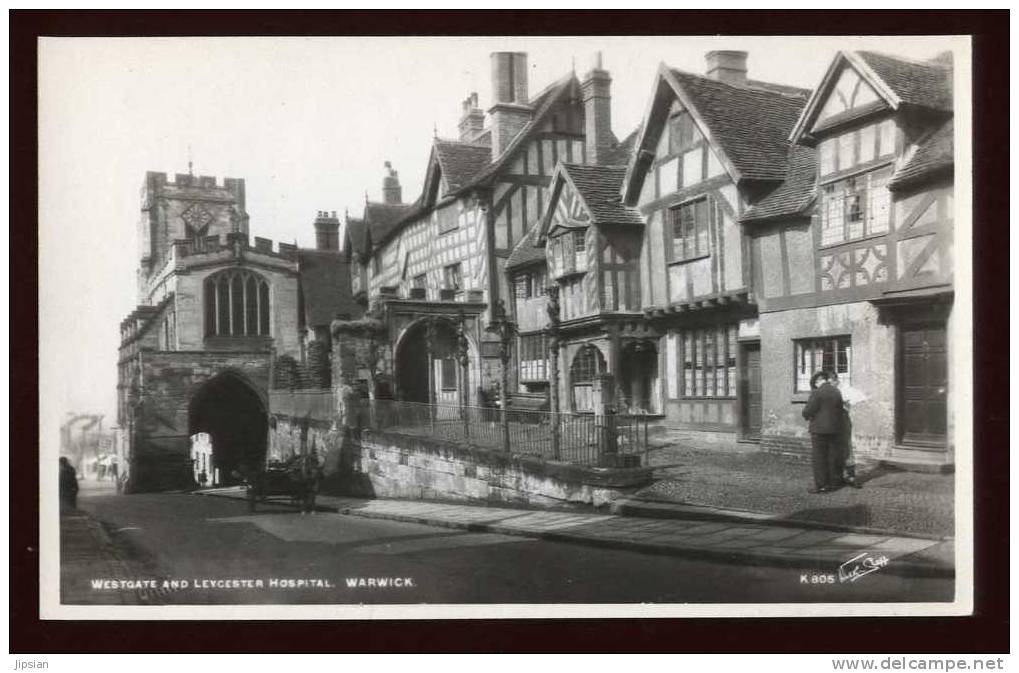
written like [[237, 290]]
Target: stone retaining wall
[[392, 465]]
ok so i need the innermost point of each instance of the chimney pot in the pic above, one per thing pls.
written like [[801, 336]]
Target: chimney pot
[[391, 190], [727, 66]]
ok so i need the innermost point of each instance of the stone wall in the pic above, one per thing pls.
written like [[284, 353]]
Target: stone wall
[[392, 465], [161, 447]]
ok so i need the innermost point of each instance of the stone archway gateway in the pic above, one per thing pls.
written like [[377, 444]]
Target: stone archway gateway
[[230, 412], [412, 375]]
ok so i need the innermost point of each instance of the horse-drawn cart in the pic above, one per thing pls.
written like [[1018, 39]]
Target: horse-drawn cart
[[295, 480]]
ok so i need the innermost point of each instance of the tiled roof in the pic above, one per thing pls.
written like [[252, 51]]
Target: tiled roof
[[794, 195], [751, 125], [542, 104], [526, 252], [382, 218], [934, 154], [599, 186], [356, 235], [923, 84], [620, 154], [460, 162], [325, 286]]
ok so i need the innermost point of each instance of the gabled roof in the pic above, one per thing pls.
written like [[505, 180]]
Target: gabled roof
[[527, 251], [382, 218], [794, 195], [598, 187], [542, 104], [461, 162], [926, 84], [356, 241], [750, 125], [934, 154], [747, 126], [897, 81], [325, 286]]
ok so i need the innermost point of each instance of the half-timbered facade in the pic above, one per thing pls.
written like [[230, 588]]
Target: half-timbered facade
[[708, 146], [852, 259], [483, 192]]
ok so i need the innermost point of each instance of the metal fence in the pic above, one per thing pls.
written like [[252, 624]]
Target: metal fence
[[581, 438]]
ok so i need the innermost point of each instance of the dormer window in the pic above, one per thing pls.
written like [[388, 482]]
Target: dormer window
[[855, 207]]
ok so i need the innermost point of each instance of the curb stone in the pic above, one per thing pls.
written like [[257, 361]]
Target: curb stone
[[902, 566]]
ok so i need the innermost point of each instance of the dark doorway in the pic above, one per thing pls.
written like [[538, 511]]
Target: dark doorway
[[923, 385], [638, 377], [231, 412], [412, 369], [751, 393]]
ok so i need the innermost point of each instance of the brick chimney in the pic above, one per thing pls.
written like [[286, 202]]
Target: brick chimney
[[510, 111], [327, 231], [391, 191], [729, 67], [472, 119], [596, 90]]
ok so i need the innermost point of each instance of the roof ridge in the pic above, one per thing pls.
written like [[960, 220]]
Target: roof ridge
[[906, 59], [752, 89], [462, 143]]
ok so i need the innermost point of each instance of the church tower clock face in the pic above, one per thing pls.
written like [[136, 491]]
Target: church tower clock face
[[197, 220]]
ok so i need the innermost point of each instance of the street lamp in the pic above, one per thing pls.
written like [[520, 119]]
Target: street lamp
[[552, 307], [506, 329]]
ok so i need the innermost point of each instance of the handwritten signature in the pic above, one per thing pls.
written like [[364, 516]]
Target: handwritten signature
[[860, 566]]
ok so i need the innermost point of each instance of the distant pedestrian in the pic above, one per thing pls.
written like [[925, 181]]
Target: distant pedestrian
[[68, 484], [824, 412]]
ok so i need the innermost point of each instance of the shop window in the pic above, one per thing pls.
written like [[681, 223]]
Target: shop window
[[813, 355]]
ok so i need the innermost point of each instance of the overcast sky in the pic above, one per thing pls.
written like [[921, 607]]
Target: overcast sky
[[307, 122]]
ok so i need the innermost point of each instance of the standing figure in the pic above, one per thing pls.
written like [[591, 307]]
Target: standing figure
[[68, 484], [847, 461], [824, 412]]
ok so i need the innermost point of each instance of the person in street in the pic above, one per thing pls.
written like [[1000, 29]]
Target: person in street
[[68, 484], [824, 412], [847, 462]]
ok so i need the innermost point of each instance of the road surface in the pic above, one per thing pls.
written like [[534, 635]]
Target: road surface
[[219, 553]]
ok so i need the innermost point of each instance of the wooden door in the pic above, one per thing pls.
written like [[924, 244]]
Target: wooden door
[[923, 384], [751, 379]]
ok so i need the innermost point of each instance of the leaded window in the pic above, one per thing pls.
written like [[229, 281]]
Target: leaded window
[[813, 355], [855, 207], [236, 304], [709, 362], [689, 230], [588, 363]]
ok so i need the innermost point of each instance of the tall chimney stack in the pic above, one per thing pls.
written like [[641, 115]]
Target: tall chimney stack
[[729, 67], [472, 121], [327, 231], [510, 110], [391, 191], [596, 90]]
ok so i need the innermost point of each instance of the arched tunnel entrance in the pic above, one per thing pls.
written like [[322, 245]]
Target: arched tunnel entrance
[[229, 411], [412, 364]]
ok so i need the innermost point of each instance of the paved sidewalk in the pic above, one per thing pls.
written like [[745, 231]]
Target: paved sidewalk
[[739, 477], [809, 549], [87, 553]]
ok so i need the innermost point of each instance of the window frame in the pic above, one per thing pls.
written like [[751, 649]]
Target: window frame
[[674, 217], [453, 272], [864, 196], [842, 343], [227, 314], [722, 364]]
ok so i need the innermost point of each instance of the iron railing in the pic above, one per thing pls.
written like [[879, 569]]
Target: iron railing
[[585, 439]]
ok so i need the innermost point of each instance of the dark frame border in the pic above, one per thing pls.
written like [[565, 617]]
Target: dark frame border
[[985, 631]]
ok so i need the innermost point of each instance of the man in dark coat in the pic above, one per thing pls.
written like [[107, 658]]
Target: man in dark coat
[[824, 412], [68, 484]]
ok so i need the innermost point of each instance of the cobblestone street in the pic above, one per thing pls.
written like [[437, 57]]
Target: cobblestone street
[[737, 478]]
